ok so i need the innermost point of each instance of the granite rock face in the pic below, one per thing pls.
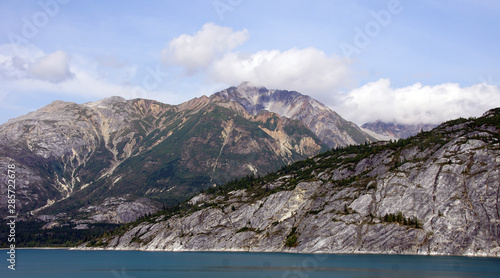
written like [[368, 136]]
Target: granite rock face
[[435, 193]]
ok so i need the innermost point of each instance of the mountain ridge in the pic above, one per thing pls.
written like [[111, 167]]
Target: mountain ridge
[[94, 159]]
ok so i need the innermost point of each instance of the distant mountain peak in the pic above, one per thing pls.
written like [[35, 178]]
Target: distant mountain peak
[[258, 98], [393, 130]]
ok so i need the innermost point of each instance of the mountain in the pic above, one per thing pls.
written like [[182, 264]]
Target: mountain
[[330, 127], [388, 131], [114, 160], [434, 193]]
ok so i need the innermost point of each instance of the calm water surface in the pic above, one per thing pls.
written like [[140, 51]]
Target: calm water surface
[[129, 264]]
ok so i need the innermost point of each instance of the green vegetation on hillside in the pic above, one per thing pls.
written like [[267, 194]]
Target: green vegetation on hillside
[[31, 234], [401, 219], [292, 238]]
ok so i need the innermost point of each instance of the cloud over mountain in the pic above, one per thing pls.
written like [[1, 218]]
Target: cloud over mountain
[[416, 103], [307, 70], [28, 69], [212, 49]]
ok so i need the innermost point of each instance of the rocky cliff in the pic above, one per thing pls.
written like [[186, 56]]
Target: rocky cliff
[[435, 193]]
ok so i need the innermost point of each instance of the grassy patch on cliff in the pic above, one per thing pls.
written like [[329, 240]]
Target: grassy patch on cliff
[[292, 239]]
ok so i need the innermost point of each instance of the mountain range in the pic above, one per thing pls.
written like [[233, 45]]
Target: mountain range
[[115, 160], [433, 193]]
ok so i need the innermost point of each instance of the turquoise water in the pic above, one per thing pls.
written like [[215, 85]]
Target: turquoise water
[[130, 264]]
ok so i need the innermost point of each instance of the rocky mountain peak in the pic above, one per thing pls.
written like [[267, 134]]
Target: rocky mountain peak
[[330, 127], [107, 102], [258, 98], [246, 94], [247, 85]]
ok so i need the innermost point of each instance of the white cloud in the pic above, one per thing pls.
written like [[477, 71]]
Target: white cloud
[[32, 63], [195, 52], [416, 103], [14, 66], [308, 70], [53, 67], [30, 70], [30, 53]]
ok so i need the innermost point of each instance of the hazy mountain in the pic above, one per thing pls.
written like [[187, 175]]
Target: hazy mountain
[[387, 131], [435, 193]]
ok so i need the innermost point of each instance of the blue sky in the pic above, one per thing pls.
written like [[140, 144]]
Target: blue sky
[[392, 60]]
